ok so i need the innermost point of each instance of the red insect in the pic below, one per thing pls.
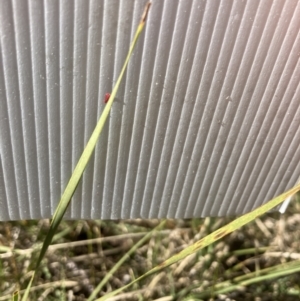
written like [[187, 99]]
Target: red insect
[[106, 98]]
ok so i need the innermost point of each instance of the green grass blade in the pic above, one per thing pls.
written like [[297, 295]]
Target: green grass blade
[[85, 157], [15, 296], [271, 273], [25, 296], [211, 238]]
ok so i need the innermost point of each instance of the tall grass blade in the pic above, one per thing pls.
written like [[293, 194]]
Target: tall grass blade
[[211, 238], [85, 157]]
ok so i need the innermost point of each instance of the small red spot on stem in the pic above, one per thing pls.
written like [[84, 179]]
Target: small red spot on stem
[[107, 96]]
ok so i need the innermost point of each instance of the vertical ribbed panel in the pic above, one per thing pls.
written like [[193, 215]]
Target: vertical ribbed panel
[[206, 121]]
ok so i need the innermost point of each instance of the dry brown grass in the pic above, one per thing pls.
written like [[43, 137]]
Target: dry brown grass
[[84, 251]]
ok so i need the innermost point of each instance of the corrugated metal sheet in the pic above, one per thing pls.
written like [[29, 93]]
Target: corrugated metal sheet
[[206, 122]]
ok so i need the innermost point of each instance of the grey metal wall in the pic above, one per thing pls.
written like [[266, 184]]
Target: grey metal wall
[[206, 122]]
